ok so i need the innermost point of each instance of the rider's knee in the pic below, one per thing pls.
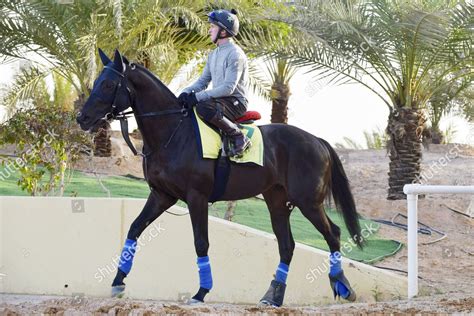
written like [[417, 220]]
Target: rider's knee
[[207, 110]]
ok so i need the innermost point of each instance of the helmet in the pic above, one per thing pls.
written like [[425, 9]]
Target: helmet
[[225, 19]]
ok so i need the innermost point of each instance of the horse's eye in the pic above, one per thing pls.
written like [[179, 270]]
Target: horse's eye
[[107, 85]]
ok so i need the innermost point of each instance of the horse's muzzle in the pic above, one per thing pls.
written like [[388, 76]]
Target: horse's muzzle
[[81, 120], [85, 122]]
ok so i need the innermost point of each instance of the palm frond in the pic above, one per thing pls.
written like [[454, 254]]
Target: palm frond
[[389, 44], [257, 83], [23, 87]]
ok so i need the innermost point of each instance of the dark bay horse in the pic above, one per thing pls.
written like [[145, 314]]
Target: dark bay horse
[[299, 170]]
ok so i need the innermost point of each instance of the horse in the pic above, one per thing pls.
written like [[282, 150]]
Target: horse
[[299, 170]]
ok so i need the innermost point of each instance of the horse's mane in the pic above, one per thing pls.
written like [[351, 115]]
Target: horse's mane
[[154, 78]]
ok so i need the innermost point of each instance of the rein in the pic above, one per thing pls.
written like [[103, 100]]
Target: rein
[[123, 118]]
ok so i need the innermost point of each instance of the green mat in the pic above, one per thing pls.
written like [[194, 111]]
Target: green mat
[[251, 212]]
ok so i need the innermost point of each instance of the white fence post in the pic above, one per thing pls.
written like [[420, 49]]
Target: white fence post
[[412, 200], [412, 191]]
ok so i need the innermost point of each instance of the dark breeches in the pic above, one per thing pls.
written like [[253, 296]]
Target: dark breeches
[[230, 107]]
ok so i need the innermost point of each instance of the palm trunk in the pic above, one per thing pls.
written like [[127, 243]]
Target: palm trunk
[[280, 95], [102, 143], [405, 127], [229, 214], [436, 136], [437, 107]]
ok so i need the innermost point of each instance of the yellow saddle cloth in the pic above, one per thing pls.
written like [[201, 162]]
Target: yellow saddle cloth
[[211, 142]]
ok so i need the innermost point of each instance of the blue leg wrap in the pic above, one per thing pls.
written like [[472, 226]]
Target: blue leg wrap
[[282, 272], [335, 259], [205, 275], [128, 253]]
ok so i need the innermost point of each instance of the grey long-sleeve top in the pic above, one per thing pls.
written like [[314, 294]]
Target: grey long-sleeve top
[[226, 67]]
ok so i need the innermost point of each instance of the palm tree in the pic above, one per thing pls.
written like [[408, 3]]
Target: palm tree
[[457, 97], [389, 47], [281, 72], [163, 35]]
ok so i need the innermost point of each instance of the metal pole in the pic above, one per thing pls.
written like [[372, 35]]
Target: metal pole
[[412, 201]]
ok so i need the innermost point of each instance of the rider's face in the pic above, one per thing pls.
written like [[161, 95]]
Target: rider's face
[[213, 31]]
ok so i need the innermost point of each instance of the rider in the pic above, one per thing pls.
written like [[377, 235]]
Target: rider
[[226, 67]]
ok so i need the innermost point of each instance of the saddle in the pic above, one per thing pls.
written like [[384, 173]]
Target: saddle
[[249, 117]]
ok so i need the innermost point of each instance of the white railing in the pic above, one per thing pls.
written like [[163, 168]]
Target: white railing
[[412, 191]]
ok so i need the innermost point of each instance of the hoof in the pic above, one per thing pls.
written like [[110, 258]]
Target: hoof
[[263, 303], [194, 302], [199, 297], [274, 296], [338, 282], [118, 291]]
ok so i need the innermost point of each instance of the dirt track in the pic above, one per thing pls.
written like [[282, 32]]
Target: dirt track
[[95, 306], [446, 267]]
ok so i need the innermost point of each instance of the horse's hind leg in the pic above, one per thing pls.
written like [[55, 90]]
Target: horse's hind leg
[[331, 233], [276, 199], [156, 204]]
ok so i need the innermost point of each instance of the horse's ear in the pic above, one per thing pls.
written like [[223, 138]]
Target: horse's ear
[[103, 57], [125, 60], [118, 61]]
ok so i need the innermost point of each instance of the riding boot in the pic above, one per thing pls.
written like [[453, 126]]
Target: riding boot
[[239, 140]]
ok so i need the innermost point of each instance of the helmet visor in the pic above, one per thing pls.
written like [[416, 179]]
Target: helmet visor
[[211, 17]]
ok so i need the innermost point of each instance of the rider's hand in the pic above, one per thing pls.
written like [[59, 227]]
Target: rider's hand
[[191, 100], [182, 98]]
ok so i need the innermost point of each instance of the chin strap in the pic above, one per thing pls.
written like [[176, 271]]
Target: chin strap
[[218, 37]]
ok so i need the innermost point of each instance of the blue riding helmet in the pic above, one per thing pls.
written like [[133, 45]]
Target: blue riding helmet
[[227, 20]]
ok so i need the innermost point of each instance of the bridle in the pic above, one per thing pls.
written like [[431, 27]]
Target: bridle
[[123, 116]]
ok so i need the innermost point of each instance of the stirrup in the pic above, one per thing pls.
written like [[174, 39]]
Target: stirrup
[[239, 154]]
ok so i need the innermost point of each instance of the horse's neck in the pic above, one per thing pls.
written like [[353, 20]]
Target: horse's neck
[[150, 96]]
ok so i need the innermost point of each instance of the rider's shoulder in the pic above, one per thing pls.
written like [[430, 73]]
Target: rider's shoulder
[[237, 51]]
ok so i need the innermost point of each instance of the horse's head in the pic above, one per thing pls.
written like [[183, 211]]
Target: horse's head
[[110, 94]]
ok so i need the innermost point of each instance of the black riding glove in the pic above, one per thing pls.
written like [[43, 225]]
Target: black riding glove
[[182, 98], [191, 100]]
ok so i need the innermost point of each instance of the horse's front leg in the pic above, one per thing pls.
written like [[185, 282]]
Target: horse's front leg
[[198, 209], [156, 204]]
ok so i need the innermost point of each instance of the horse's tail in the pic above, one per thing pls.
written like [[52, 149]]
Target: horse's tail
[[343, 198]]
